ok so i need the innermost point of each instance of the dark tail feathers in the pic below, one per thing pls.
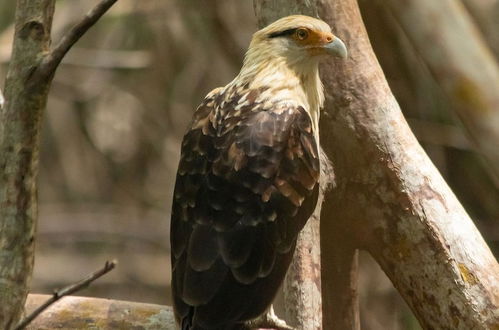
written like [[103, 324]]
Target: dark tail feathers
[[187, 324]]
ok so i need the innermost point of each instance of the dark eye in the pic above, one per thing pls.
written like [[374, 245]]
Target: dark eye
[[302, 34]]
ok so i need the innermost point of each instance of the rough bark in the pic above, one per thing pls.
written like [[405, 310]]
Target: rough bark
[[388, 197], [103, 314], [462, 64], [19, 140], [29, 76]]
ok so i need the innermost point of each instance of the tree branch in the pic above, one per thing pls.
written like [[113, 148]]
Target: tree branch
[[50, 63], [86, 313], [109, 265]]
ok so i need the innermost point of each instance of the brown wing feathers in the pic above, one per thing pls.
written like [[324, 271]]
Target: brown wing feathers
[[246, 185]]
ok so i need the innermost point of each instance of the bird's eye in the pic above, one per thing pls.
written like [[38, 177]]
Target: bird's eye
[[302, 34]]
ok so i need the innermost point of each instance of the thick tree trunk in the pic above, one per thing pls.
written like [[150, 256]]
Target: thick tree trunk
[[388, 197], [19, 141]]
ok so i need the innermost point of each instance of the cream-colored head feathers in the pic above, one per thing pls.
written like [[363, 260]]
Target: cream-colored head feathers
[[284, 56]]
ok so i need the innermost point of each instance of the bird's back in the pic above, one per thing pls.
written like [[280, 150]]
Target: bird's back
[[245, 187]]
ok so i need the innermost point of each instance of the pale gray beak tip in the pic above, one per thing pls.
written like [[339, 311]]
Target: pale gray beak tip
[[337, 48]]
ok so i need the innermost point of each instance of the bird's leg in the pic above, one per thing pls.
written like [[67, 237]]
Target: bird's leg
[[268, 321]]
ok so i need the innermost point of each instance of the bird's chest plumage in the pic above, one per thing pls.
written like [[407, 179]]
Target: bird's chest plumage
[[246, 185]]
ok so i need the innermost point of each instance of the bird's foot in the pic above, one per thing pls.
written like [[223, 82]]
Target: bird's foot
[[268, 321]]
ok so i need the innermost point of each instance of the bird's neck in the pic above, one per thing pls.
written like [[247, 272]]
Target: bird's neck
[[286, 80]]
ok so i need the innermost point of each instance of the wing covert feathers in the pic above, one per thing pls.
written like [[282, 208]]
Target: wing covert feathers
[[245, 187]]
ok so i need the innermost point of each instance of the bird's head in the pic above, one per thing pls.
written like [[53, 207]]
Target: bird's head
[[297, 39], [283, 58]]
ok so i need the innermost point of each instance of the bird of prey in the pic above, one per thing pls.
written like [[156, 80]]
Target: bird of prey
[[247, 180]]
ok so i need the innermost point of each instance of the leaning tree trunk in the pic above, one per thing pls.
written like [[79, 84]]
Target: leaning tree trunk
[[388, 198]]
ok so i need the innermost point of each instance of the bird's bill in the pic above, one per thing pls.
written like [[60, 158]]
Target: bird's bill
[[336, 48]]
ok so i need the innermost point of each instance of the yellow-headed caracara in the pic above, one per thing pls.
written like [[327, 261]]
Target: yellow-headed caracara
[[248, 176]]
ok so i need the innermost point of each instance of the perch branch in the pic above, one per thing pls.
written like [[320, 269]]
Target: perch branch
[[86, 313], [54, 58], [110, 265], [388, 197]]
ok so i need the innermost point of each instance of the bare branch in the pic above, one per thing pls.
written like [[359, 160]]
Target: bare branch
[[110, 265], [52, 61]]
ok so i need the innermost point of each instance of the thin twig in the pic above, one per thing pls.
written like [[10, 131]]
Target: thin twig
[[66, 292], [54, 58]]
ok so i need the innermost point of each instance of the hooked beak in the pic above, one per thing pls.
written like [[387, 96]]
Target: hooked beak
[[336, 48]]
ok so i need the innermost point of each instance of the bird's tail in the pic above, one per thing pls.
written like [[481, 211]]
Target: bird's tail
[[188, 324], [187, 320]]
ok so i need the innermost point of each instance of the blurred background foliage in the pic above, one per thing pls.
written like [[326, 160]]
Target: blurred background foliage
[[119, 106]]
